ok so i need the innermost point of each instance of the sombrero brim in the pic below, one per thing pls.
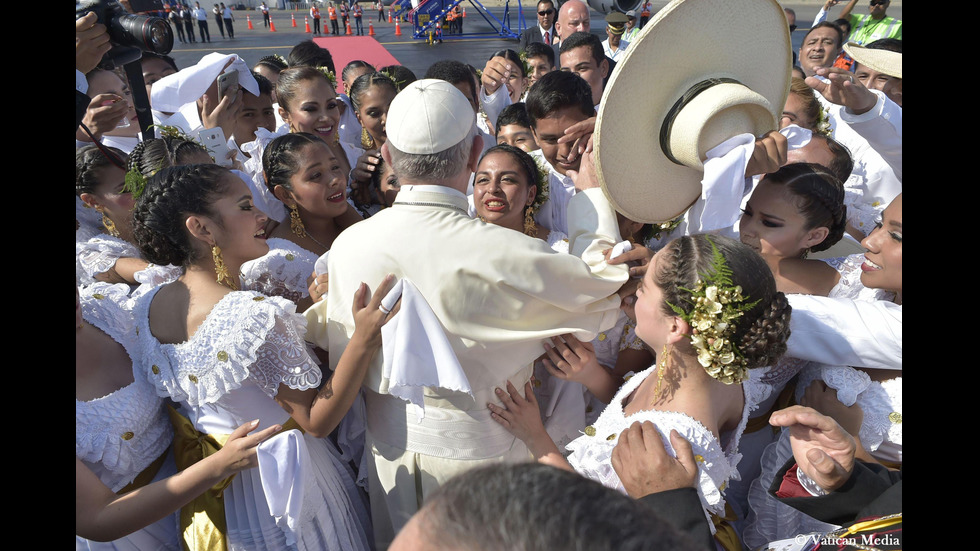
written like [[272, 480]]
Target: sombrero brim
[[686, 42], [886, 62]]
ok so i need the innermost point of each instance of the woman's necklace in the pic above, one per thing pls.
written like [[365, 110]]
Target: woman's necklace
[[317, 241]]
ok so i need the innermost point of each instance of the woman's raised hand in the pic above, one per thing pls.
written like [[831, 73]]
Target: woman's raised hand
[[239, 451], [369, 316], [520, 414], [570, 359]]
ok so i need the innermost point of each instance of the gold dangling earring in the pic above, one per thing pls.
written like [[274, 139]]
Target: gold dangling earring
[[661, 372], [367, 142], [110, 226], [223, 277], [530, 228], [296, 223]]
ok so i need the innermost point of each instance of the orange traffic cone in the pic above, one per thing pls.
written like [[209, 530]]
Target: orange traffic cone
[[389, 15], [348, 33], [272, 25], [249, 19], [370, 29], [307, 20], [464, 13], [398, 29]]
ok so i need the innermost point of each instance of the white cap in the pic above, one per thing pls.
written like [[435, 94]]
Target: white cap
[[429, 116]]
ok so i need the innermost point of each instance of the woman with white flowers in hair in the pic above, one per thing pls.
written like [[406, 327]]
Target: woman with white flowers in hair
[[710, 307]]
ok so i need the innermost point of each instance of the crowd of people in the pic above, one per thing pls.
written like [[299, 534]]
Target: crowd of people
[[506, 307]]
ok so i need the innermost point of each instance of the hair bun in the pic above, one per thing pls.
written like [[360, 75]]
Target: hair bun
[[765, 341]]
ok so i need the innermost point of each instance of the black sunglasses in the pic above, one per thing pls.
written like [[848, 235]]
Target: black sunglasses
[[792, 28], [546, 12], [878, 2]]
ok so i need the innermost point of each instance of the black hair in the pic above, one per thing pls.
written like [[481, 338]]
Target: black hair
[[819, 198], [353, 65], [88, 160], [308, 54], [165, 58], [272, 62], [150, 156], [526, 161], [557, 90], [508, 506], [536, 49], [515, 113], [279, 160], [265, 85], [291, 79], [761, 332], [402, 75], [512, 56], [364, 82], [834, 26], [589, 40], [843, 164], [890, 44], [170, 197], [452, 71]]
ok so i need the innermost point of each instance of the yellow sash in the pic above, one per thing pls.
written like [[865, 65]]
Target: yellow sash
[[146, 475], [724, 531], [202, 521], [784, 400]]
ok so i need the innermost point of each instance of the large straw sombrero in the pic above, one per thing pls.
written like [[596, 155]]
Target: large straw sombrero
[[700, 72], [885, 62]]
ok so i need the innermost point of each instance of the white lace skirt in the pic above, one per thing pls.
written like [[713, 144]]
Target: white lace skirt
[[338, 518]]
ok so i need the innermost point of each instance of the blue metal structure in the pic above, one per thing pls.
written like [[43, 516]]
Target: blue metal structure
[[430, 15]]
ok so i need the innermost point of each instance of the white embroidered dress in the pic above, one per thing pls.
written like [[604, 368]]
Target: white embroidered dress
[[282, 272], [228, 373], [121, 434], [717, 461]]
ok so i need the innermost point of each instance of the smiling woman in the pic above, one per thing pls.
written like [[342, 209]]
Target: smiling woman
[[225, 355]]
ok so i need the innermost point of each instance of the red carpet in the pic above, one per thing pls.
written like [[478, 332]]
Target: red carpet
[[345, 49]]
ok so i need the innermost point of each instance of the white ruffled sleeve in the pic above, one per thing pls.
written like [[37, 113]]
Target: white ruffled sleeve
[[99, 254]]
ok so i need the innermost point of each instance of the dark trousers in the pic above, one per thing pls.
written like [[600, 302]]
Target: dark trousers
[[316, 25], [189, 27], [357, 23], [221, 26], [334, 27], [230, 28], [265, 19], [381, 16], [180, 33], [202, 25]]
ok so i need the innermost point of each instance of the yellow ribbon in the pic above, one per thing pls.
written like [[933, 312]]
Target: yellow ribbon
[[784, 400], [146, 475], [724, 531], [202, 521]]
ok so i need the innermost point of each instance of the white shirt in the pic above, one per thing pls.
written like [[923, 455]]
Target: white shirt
[[619, 51]]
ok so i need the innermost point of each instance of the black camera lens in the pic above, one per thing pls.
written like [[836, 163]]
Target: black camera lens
[[151, 34]]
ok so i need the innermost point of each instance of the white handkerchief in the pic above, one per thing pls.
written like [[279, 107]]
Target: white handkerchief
[[796, 136], [724, 183], [416, 351], [187, 85], [284, 466]]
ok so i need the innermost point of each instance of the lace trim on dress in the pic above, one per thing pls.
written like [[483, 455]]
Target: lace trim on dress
[[121, 433], [100, 253], [282, 272], [246, 335]]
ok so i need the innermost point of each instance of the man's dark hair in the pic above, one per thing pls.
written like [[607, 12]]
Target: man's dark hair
[[510, 506], [890, 44], [837, 29], [842, 165], [557, 90], [579, 39], [453, 72], [535, 49], [515, 113]]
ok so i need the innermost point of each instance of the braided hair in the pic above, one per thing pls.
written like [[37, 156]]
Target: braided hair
[[89, 160], [154, 154], [761, 332], [280, 159], [171, 196], [364, 82], [819, 198]]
